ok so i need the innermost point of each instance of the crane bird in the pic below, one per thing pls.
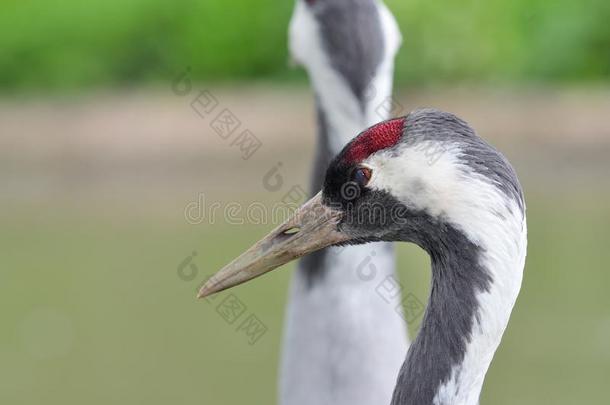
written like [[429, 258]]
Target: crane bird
[[337, 328], [466, 210]]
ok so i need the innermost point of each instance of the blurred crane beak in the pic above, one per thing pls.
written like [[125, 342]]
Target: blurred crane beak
[[313, 227]]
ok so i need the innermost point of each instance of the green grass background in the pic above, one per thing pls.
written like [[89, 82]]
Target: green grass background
[[69, 44], [131, 332]]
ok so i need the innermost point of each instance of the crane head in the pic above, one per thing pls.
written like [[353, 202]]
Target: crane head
[[420, 178]]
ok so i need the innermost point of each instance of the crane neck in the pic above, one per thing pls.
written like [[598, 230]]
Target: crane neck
[[473, 290], [342, 114]]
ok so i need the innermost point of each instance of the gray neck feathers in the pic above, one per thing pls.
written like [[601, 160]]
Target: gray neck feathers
[[457, 278], [312, 265], [353, 39]]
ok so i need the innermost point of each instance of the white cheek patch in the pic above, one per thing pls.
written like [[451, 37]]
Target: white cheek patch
[[444, 187], [451, 190], [418, 179]]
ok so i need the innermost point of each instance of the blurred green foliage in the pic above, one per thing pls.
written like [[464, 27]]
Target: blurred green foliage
[[72, 44]]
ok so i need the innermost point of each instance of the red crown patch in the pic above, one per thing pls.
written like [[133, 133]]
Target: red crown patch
[[378, 137]]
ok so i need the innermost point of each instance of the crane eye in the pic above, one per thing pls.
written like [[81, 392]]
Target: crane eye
[[362, 175]]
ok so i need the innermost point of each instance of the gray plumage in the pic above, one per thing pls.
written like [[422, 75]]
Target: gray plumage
[[458, 275], [313, 265], [353, 38], [429, 124]]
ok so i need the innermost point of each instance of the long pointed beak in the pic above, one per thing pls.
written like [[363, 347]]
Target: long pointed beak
[[313, 227]]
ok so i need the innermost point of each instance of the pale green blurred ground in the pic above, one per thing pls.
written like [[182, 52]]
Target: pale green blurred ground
[[93, 310], [92, 231]]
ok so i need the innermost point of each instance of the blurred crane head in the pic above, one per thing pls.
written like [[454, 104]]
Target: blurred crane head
[[342, 36]]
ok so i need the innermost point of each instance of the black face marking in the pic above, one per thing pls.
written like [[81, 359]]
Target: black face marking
[[371, 214], [353, 38]]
